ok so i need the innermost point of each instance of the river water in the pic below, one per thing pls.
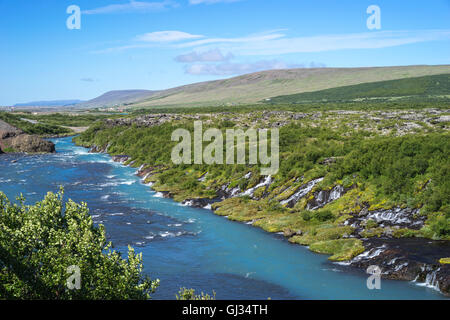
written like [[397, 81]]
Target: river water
[[188, 247]]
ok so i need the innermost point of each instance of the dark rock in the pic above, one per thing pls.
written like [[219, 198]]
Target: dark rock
[[411, 259], [301, 192], [16, 139], [395, 217], [323, 197], [289, 233], [120, 158], [196, 203]]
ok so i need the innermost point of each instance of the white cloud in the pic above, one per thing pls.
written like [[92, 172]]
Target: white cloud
[[214, 55], [278, 43], [246, 39], [133, 6], [167, 36]]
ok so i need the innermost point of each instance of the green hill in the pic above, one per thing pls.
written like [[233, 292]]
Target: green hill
[[420, 87], [256, 87]]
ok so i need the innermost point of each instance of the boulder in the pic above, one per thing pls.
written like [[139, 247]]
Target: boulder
[[17, 140]]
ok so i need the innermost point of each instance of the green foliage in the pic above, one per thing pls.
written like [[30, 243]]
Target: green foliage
[[306, 215], [60, 119], [395, 165], [439, 225], [324, 215], [424, 87], [39, 242], [371, 224], [189, 294], [30, 128]]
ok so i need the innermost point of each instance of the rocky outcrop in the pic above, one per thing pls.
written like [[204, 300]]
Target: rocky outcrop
[[199, 202], [396, 217], [407, 259], [120, 158], [323, 197], [301, 192], [14, 139]]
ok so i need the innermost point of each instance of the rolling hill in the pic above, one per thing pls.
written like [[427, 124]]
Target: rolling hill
[[117, 98], [419, 87], [256, 87]]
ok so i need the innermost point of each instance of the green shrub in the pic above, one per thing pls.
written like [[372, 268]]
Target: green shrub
[[189, 294], [39, 243], [324, 215]]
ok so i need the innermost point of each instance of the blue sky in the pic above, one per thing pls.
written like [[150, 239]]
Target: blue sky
[[158, 44]]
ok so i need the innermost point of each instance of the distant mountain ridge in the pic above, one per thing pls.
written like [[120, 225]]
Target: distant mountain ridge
[[50, 103], [117, 98]]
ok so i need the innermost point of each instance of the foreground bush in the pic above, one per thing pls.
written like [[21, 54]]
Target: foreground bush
[[39, 243], [189, 294]]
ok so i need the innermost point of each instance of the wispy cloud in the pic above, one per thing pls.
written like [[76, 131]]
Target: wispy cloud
[[265, 37], [87, 79], [167, 36], [214, 55], [279, 43], [133, 6]]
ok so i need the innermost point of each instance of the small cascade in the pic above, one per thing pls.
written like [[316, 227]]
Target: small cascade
[[267, 181], [431, 280], [300, 193]]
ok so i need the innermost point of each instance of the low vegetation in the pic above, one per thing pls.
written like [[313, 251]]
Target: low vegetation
[[41, 129], [416, 89]]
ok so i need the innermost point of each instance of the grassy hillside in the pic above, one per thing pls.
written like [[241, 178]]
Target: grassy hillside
[[419, 87], [383, 159], [253, 88]]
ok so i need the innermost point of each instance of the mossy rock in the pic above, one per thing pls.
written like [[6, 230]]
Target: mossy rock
[[340, 249], [280, 222], [240, 209], [322, 233], [405, 233], [370, 224], [372, 232]]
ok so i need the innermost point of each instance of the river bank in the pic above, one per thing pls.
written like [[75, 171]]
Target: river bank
[[406, 259], [346, 178], [185, 246]]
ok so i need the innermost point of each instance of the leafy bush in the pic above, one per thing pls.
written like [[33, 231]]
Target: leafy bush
[[189, 294], [306, 215], [39, 243], [324, 215]]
